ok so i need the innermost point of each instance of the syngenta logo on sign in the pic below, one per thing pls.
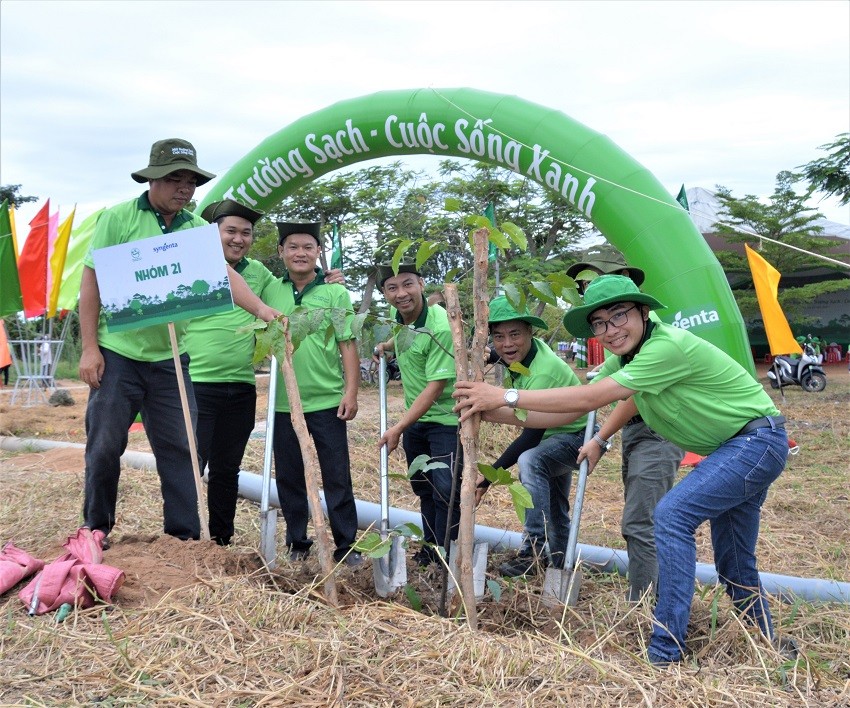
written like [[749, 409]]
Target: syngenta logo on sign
[[702, 318]]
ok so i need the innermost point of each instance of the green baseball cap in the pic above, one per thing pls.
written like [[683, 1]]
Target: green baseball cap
[[501, 310], [171, 155], [229, 207], [385, 271], [602, 292]]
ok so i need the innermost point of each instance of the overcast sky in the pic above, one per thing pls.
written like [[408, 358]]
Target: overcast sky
[[701, 93]]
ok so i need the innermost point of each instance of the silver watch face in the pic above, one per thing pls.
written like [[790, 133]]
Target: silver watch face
[[511, 396]]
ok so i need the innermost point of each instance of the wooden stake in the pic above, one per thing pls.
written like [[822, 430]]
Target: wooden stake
[[311, 469], [469, 428], [190, 433]]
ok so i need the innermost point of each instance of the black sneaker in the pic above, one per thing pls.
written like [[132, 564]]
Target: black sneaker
[[424, 557], [353, 559], [299, 554], [526, 562]]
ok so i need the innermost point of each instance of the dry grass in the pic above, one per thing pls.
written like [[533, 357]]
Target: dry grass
[[232, 636]]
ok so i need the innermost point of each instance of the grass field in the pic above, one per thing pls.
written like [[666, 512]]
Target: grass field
[[199, 625]]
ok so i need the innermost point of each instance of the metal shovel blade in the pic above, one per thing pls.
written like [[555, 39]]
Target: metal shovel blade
[[390, 572], [561, 586], [268, 516], [479, 569]]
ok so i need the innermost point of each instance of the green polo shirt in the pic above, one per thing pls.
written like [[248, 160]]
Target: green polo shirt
[[546, 370], [217, 352], [689, 391], [429, 358], [317, 362], [134, 220]]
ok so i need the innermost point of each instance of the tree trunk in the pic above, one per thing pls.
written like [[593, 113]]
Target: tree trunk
[[469, 428], [311, 471]]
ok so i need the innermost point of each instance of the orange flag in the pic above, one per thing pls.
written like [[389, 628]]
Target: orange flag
[[766, 279], [32, 264]]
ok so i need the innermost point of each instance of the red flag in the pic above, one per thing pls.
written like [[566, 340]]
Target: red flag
[[32, 264]]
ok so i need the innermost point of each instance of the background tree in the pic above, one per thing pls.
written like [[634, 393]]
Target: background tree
[[831, 174], [10, 192], [787, 219]]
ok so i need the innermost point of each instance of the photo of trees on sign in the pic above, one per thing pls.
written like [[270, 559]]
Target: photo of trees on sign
[[185, 302]]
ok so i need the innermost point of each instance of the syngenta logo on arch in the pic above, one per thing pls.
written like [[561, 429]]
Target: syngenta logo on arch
[[703, 318]]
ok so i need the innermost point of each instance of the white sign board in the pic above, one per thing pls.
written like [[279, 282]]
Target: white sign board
[[161, 279]]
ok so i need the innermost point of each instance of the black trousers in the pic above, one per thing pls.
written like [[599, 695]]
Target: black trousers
[[330, 436], [225, 420]]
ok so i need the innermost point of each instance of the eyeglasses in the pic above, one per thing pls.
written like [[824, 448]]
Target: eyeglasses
[[618, 320]]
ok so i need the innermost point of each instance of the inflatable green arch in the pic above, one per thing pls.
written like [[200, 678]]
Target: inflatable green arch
[[620, 196]]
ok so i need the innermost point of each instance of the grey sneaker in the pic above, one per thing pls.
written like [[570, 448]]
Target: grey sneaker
[[353, 559]]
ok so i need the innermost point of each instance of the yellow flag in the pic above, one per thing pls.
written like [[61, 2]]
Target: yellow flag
[[14, 230], [766, 279], [57, 261]]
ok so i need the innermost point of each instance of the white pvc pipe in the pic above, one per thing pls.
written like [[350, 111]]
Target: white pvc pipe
[[787, 587]]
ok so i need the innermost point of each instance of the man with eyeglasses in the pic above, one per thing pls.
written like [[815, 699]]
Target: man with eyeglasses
[[700, 398], [649, 462], [133, 371]]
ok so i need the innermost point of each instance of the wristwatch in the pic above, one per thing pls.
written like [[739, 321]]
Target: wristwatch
[[511, 397], [604, 444]]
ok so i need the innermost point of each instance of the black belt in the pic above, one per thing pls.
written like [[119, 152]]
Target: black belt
[[634, 419], [769, 421]]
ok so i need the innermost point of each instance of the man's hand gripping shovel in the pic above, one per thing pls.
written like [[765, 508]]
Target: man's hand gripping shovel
[[390, 570]]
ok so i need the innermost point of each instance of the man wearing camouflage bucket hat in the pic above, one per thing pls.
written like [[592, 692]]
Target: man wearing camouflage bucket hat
[[546, 457], [133, 372], [698, 397], [649, 462]]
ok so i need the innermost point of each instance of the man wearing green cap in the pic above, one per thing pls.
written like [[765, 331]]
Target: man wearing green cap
[[649, 462], [428, 426], [698, 397], [546, 457], [328, 374], [131, 372]]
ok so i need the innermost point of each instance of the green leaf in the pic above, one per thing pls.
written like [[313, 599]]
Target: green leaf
[[404, 339], [417, 464], [521, 499], [495, 589], [357, 324], [329, 333], [255, 325], [518, 368], [410, 530], [452, 275], [451, 204], [495, 475], [426, 250], [413, 598], [542, 291], [499, 239], [516, 297], [400, 250], [521, 414], [516, 234], [372, 545], [477, 221], [339, 319]]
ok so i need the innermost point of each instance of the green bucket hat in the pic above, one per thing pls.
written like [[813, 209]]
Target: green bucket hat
[[502, 311], [602, 292], [605, 262], [385, 271], [168, 156], [229, 207], [287, 228]]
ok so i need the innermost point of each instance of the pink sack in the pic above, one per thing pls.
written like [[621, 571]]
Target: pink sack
[[15, 565]]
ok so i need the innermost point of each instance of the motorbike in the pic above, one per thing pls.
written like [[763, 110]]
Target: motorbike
[[805, 372]]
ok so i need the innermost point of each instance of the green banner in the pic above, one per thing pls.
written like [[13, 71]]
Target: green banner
[[619, 195]]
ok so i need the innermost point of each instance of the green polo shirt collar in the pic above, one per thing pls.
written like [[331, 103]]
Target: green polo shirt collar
[[318, 280], [241, 265], [180, 218], [420, 321]]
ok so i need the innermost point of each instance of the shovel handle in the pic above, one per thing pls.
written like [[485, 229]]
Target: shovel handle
[[267, 453], [385, 454], [572, 542]]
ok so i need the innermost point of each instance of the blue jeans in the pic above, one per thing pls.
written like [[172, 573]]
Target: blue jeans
[[728, 489], [546, 472], [226, 414], [127, 388], [330, 436], [434, 487]]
